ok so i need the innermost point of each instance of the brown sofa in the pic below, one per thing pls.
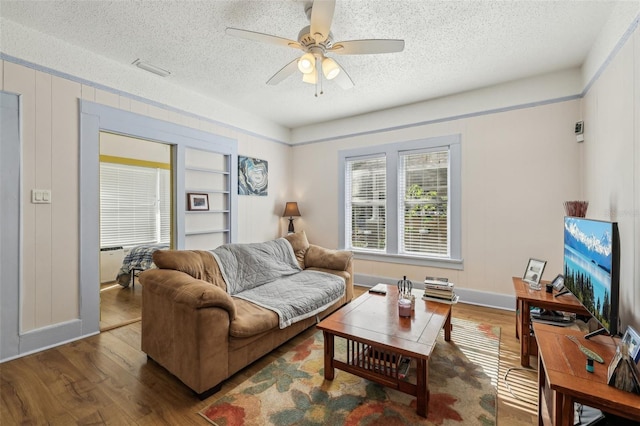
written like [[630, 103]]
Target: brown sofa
[[202, 335]]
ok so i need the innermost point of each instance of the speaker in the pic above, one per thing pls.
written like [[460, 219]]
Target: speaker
[[579, 130]]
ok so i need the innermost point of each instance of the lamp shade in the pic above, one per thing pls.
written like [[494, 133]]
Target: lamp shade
[[306, 63], [291, 209], [330, 68]]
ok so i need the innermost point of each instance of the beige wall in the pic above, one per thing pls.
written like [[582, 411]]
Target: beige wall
[[517, 169], [611, 164], [50, 143]]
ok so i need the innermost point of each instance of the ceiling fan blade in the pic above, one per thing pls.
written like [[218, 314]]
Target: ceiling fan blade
[[321, 17], [343, 79], [261, 37], [285, 72], [366, 47]]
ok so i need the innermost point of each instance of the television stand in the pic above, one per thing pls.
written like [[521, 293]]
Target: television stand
[[525, 299], [563, 379]]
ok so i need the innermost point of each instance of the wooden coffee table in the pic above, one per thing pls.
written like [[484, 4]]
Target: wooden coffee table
[[377, 337]]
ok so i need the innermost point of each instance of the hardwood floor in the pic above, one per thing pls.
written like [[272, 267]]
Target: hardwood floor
[[118, 305], [106, 379]]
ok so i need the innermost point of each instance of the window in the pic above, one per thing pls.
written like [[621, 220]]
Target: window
[[367, 202], [135, 205], [423, 188], [401, 202]]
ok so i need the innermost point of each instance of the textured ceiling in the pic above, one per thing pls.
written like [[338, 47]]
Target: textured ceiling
[[450, 47]]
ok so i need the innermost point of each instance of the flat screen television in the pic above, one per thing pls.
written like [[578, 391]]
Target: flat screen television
[[592, 268]]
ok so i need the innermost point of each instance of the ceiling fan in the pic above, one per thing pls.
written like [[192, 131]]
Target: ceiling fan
[[316, 41]]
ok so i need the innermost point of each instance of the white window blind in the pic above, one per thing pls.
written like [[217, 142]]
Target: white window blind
[[365, 202], [134, 205], [423, 204]]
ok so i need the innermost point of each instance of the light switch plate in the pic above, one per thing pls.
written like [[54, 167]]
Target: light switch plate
[[41, 196]]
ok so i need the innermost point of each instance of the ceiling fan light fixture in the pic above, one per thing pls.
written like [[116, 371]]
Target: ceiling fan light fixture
[[330, 68], [306, 63], [311, 78]]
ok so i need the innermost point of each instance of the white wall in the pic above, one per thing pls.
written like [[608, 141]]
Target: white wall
[[611, 164], [518, 168]]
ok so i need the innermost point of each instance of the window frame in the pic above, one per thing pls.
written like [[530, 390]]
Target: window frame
[[392, 153]]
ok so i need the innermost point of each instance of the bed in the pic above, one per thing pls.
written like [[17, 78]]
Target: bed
[[138, 259]]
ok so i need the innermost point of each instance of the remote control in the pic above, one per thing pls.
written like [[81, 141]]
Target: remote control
[[588, 352]]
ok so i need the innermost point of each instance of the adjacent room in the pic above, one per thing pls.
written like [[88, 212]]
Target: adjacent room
[[296, 212]]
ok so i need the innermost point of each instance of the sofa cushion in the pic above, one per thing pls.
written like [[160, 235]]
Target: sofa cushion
[[298, 296], [199, 264], [320, 257], [251, 319], [300, 245]]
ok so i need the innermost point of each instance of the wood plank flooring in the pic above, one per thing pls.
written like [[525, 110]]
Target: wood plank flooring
[[106, 379], [118, 305]]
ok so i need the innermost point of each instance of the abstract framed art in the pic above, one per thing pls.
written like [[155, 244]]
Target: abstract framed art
[[253, 176]]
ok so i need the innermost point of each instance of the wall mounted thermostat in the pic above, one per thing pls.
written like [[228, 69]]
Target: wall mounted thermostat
[[579, 131]]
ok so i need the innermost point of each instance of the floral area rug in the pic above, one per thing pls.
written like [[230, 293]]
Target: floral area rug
[[292, 391]]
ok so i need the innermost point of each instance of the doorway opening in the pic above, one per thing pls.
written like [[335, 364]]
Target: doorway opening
[[136, 218]]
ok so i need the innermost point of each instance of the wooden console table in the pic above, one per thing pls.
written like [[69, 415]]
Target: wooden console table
[[525, 299], [563, 379]]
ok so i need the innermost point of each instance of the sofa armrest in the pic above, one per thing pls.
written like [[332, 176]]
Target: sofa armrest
[[320, 257], [183, 288], [185, 327]]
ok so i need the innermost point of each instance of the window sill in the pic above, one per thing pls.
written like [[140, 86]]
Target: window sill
[[411, 260]]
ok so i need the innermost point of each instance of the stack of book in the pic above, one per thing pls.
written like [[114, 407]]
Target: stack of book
[[439, 289]]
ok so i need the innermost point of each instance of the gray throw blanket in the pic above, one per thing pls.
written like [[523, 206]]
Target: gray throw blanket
[[268, 275]]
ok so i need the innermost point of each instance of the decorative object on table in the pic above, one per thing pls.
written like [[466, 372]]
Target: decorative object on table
[[588, 352], [404, 307], [576, 208], [404, 286], [533, 273], [405, 297], [622, 372], [197, 202], [253, 176], [632, 339], [291, 210], [439, 289]]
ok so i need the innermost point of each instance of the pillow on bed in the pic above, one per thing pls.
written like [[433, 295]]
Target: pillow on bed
[[300, 246]]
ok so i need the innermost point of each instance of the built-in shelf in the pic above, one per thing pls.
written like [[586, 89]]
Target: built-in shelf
[[206, 231], [208, 172], [205, 211], [200, 169], [206, 191]]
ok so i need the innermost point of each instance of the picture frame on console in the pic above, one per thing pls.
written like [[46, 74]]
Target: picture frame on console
[[533, 273], [632, 339], [558, 282]]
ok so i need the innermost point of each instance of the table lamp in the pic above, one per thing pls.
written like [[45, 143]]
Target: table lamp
[[291, 210]]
